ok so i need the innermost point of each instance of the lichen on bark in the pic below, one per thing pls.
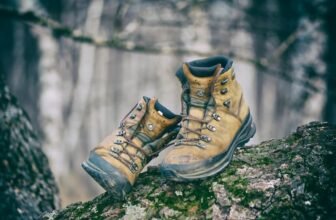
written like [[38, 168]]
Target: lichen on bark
[[289, 178]]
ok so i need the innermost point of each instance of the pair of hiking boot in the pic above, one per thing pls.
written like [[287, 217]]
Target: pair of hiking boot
[[215, 120]]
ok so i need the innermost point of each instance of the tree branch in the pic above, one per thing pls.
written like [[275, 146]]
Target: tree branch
[[289, 178], [31, 18]]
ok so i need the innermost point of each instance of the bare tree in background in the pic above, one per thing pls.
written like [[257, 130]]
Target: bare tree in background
[[329, 18]]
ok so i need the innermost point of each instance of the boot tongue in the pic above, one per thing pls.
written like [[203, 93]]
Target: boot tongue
[[157, 119], [199, 80]]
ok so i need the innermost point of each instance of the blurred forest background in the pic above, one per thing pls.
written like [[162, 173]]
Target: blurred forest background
[[77, 66]]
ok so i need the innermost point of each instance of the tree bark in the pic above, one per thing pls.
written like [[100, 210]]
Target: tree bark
[[330, 60], [289, 178], [27, 186]]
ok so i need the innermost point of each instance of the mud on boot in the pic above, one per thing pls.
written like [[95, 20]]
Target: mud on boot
[[118, 160], [215, 121]]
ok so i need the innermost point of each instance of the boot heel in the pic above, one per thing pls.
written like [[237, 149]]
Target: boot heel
[[247, 132]]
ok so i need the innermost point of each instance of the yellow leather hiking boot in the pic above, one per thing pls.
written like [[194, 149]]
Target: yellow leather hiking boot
[[215, 121], [117, 161]]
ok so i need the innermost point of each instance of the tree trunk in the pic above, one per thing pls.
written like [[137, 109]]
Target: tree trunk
[[27, 186], [290, 178], [330, 60]]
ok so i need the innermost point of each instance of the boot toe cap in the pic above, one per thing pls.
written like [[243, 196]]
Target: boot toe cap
[[106, 175]]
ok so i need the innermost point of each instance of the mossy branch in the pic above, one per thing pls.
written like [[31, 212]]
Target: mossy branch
[[290, 178]]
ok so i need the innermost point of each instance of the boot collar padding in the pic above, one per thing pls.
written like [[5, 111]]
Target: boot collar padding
[[225, 62]]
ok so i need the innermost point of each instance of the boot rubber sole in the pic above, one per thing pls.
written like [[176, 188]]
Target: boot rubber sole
[[107, 176], [212, 166]]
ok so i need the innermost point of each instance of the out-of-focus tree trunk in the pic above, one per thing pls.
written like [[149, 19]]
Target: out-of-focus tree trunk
[[19, 63], [27, 186], [81, 92], [289, 178], [281, 97], [50, 100], [330, 59], [286, 93], [264, 91], [86, 71], [49, 84]]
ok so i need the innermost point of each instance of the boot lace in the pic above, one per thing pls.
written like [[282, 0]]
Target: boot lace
[[198, 131], [182, 139], [125, 142]]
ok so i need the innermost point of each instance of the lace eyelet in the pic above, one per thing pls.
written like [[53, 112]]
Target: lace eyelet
[[205, 138], [224, 91], [216, 116], [150, 126], [118, 141], [211, 127], [227, 103], [121, 133], [115, 150], [224, 81], [139, 107], [132, 116], [134, 167]]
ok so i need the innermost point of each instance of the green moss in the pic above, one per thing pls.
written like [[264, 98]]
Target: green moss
[[231, 169], [238, 188], [200, 197], [205, 196], [292, 139], [264, 161]]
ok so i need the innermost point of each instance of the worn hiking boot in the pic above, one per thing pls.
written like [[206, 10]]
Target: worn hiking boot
[[117, 161], [215, 121]]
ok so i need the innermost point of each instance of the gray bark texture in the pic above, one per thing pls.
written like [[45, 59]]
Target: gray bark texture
[[27, 186], [289, 178]]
